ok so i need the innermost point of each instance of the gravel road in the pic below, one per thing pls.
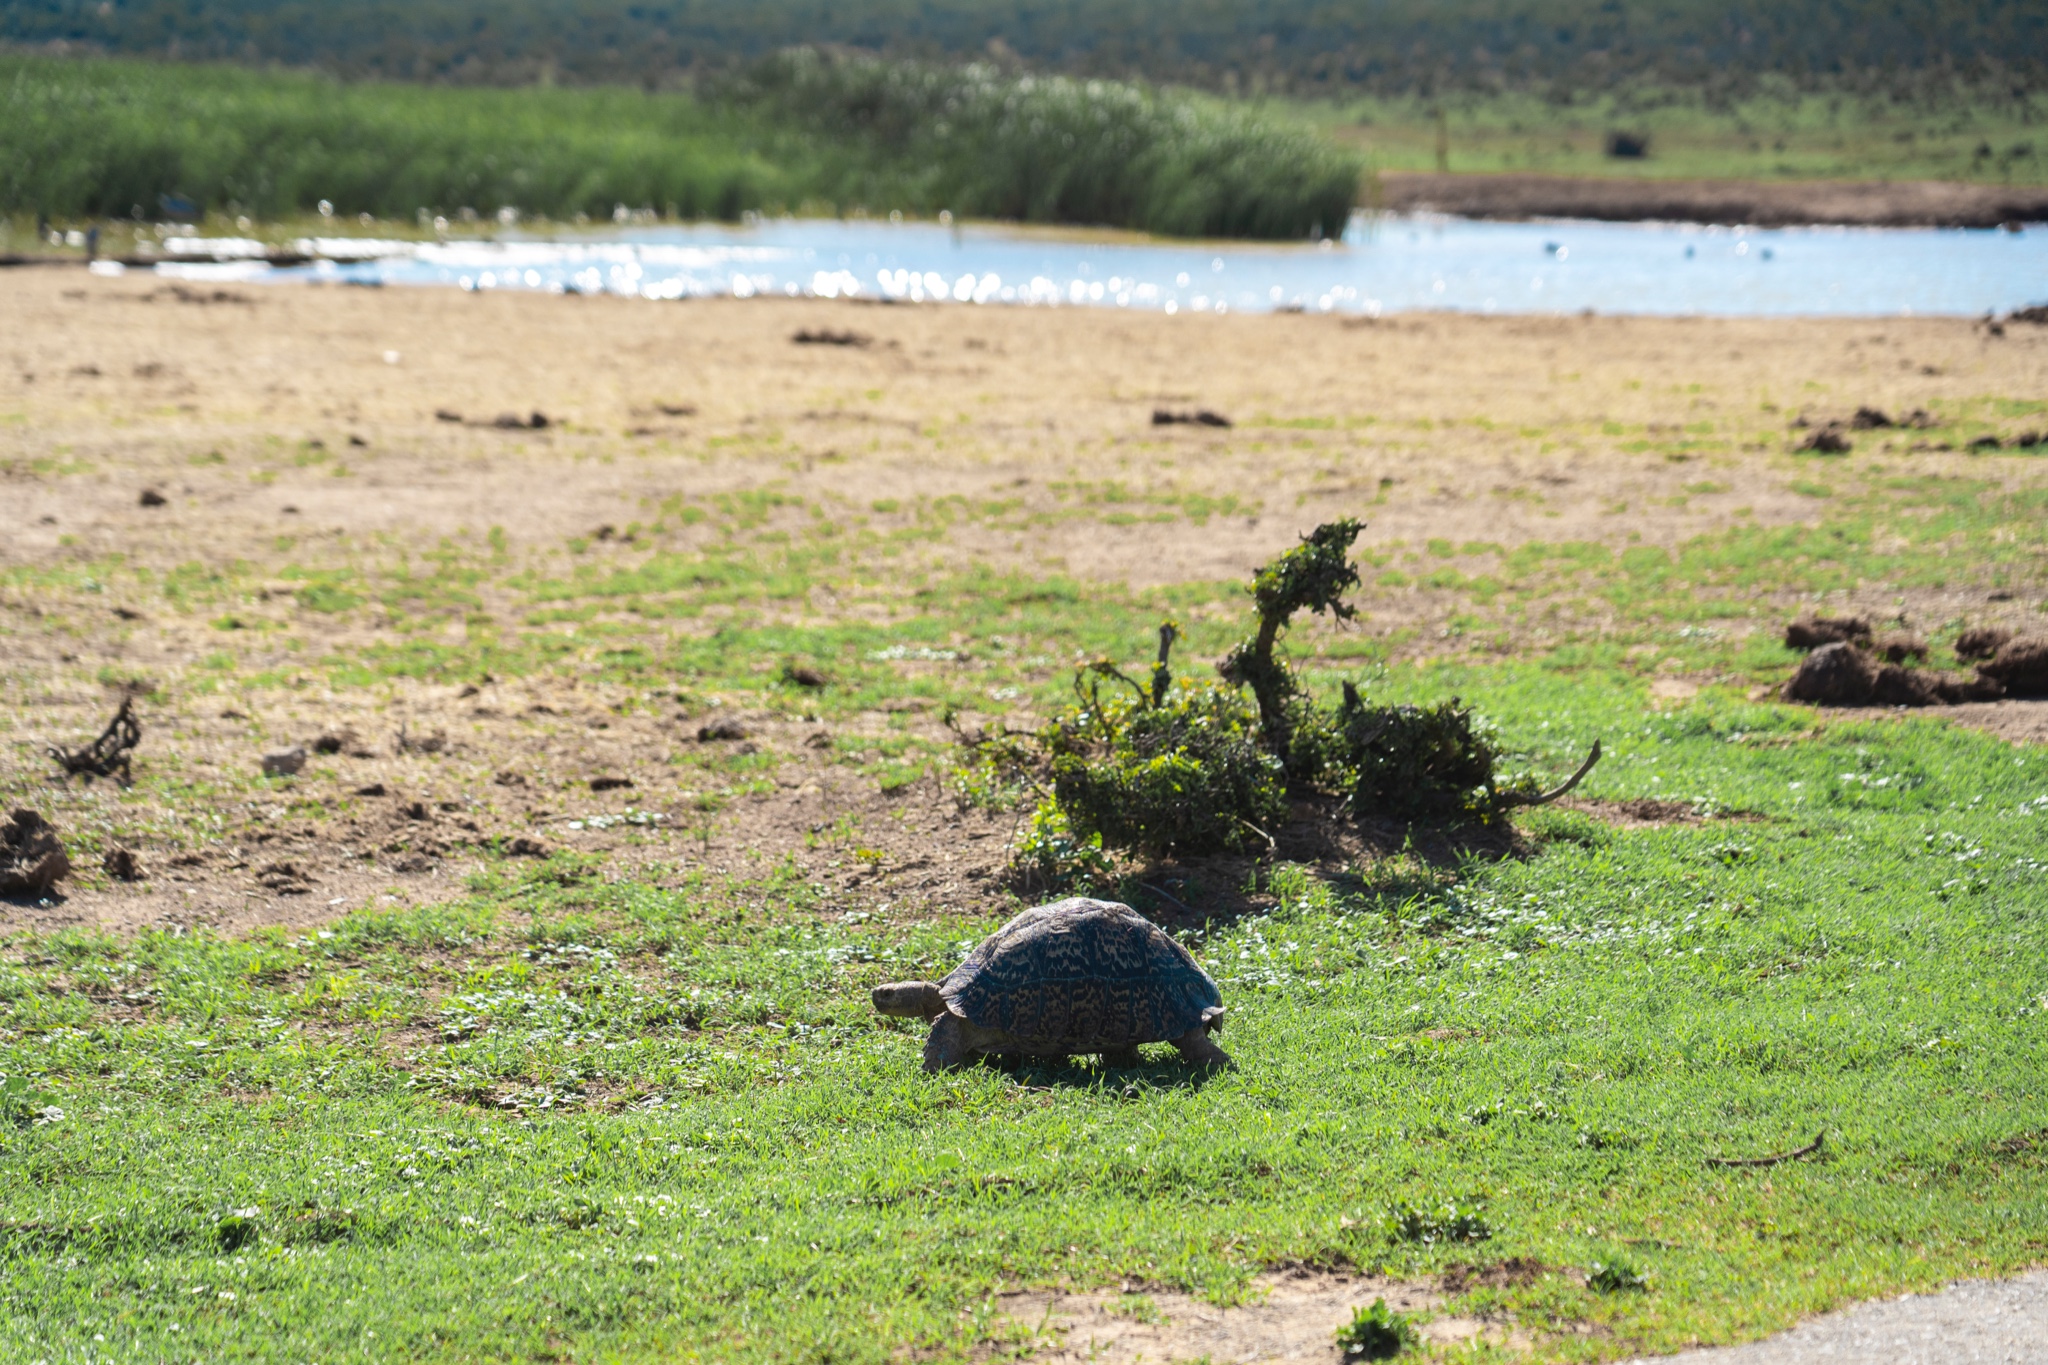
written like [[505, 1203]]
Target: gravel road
[[1978, 1322]]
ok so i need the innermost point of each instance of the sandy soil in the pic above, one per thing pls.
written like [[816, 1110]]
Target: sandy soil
[[1500, 430], [1290, 1315], [1762, 203]]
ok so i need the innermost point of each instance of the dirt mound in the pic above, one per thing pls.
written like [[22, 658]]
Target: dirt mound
[[1828, 440], [1835, 674], [1899, 646], [1811, 632], [1840, 674], [32, 860], [2020, 667], [1981, 642], [1294, 1317]]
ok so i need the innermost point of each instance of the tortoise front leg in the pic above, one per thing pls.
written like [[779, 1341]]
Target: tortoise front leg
[[1196, 1049], [946, 1048]]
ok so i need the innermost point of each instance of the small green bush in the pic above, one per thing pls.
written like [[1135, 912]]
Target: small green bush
[[1376, 1333], [1453, 1222], [1188, 776], [1052, 857], [1614, 1277], [1189, 769], [1419, 762]]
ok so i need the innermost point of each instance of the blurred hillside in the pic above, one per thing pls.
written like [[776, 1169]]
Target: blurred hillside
[[1302, 47]]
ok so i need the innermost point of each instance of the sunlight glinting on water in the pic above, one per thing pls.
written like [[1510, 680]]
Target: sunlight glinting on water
[[1382, 265]]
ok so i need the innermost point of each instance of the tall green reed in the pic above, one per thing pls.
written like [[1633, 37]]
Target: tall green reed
[[1053, 149], [801, 130]]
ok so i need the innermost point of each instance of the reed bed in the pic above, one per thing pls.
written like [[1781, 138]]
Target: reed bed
[[800, 131]]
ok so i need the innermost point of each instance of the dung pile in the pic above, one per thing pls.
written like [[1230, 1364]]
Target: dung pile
[[32, 860], [1848, 666]]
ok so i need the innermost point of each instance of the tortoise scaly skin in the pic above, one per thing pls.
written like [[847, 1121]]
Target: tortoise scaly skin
[[1075, 977]]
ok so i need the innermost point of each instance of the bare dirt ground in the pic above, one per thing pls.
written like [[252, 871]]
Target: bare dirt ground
[[267, 423], [1294, 1316], [1290, 1315], [1761, 203]]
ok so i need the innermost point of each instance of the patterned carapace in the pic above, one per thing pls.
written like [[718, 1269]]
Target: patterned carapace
[[1084, 974]]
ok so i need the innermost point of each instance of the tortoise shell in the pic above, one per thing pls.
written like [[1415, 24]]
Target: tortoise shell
[[1082, 976]]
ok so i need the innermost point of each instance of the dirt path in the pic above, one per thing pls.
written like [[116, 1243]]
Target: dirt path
[[1979, 1322], [1761, 203], [1292, 1316]]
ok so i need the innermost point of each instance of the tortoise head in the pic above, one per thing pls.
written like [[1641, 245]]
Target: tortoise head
[[910, 999]]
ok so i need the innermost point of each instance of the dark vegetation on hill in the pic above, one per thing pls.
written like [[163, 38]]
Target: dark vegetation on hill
[[1388, 46]]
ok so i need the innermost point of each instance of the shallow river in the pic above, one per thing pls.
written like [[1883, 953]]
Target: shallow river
[[1381, 265]]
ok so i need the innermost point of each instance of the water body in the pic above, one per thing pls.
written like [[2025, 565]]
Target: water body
[[1382, 265]]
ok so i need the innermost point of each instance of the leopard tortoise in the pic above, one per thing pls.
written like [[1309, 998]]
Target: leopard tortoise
[[1077, 976]]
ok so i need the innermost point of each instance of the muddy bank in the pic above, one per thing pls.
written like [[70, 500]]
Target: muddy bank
[[1905, 203]]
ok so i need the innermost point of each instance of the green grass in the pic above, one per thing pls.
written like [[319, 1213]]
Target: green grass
[[571, 1117], [576, 1113], [802, 131]]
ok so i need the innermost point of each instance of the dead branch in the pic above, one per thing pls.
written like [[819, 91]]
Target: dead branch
[[1272, 845], [1808, 1150], [108, 754], [1546, 798], [1170, 900]]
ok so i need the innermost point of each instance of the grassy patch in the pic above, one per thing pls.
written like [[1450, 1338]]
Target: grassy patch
[[803, 130], [564, 1114]]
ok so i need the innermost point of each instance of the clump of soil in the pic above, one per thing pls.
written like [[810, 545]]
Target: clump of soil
[[1811, 632], [1981, 642], [1899, 646], [32, 859], [1200, 417], [122, 865], [826, 336], [1831, 439], [1835, 674], [1841, 674], [2020, 667]]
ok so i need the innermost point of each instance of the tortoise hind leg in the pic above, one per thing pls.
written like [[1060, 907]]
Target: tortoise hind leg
[[1121, 1058], [1196, 1048], [946, 1048]]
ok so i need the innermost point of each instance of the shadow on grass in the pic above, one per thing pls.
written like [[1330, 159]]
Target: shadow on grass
[[1163, 1076], [1386, 861]]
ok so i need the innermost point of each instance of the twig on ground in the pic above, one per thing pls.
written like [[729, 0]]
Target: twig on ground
[[1546, 798], [1170, 900], [108, 754], [1808, 1150], [1272, 845]]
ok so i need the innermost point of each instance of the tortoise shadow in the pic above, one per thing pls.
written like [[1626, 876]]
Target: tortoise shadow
[[1125, 1082]]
